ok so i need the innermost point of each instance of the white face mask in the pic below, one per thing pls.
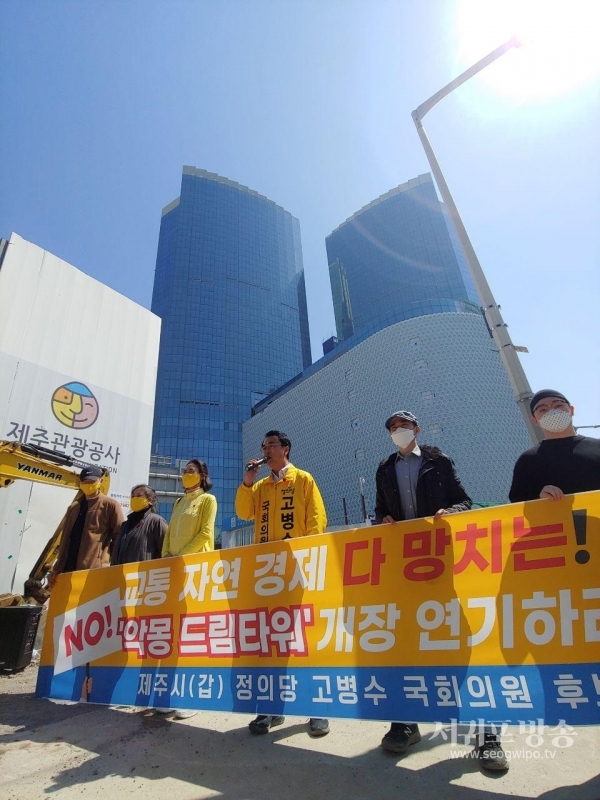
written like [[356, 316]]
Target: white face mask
[[402, 437], [556, 420]]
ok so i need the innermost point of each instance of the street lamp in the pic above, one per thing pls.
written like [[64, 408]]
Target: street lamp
[[491, 311]]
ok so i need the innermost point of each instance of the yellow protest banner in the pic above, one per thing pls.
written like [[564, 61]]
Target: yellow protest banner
[[491, 614]]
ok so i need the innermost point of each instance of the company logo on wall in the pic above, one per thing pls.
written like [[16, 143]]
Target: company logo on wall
[[75, 406]]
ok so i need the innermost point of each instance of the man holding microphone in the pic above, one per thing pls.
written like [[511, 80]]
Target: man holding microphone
[[284, 505]]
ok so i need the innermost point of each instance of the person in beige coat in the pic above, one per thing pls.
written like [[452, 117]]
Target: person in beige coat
[[92, 524]]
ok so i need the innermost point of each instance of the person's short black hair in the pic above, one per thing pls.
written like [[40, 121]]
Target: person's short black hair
[[149, 493], [284, 440], [205, 481]]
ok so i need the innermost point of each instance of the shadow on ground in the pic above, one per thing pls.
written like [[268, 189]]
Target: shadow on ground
[[284, 764]]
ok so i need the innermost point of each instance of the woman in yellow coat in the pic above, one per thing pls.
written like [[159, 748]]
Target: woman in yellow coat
[[192, 525]]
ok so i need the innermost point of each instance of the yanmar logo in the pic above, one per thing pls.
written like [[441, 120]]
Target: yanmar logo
[[44, 473]]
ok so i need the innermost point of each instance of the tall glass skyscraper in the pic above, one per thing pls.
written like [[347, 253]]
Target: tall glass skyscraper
[[397, 258], [229, 288]]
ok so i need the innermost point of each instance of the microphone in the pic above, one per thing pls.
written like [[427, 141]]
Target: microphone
[[258, 462]]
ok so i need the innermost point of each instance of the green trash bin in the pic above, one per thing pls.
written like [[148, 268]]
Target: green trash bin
[[18, 627]]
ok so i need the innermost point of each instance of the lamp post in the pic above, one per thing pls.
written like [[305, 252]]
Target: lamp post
[[491, 310]]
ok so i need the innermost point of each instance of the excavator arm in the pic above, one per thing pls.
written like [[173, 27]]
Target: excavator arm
[[38, 464]]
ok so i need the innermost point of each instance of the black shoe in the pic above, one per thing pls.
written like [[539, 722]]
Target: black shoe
[[264, 722], [318, 727], [491, 754], [400, 736]]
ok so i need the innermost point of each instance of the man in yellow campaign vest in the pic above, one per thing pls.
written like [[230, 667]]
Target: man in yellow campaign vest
[[284, 505]]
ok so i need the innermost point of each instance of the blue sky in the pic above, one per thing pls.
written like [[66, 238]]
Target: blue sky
[[310, 104]]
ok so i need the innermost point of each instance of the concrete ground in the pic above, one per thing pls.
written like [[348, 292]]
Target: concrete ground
[[80, 750]]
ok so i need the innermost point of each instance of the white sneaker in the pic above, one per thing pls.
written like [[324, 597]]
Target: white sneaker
[[184, 714]]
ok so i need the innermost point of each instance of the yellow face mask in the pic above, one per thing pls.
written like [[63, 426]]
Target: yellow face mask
[[190, 479], [89, 488], [139, 503]]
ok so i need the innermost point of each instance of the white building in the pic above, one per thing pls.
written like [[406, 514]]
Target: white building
[[443, 367], [77, 375]]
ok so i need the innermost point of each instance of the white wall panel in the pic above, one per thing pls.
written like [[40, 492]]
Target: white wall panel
[[60, 327]]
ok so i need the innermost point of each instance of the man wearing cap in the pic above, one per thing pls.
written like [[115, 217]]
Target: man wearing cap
[[414, 482], [563, 463], [91, 525]]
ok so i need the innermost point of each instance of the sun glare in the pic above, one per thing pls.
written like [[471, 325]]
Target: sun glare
[[560, 49]]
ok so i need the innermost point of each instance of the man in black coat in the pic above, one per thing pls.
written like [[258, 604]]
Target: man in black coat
[[419, 482], [416, 481]]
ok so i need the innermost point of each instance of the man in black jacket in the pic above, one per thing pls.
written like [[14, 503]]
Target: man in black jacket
[[416, 481], [419, 482]]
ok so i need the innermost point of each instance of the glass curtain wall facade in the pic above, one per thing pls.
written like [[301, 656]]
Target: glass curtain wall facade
[[229, 288], [396, 256]]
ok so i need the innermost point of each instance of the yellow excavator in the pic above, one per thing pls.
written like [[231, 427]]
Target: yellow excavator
[[31, 463]]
